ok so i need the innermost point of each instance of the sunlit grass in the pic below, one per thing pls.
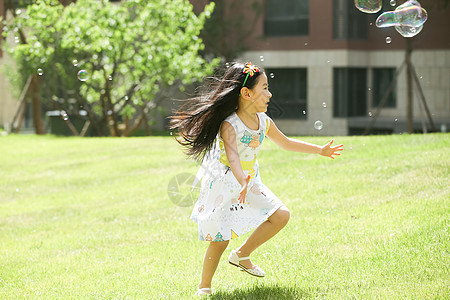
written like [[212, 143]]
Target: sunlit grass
[[91, 218]]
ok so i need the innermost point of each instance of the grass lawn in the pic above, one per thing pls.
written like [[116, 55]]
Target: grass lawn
[[90, 218]]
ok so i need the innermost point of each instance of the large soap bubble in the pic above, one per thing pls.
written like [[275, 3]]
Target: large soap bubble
[[407, 14], [408, 31], [408, 18], [368, 6]]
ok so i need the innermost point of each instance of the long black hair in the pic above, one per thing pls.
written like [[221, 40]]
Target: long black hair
[[198, 121]]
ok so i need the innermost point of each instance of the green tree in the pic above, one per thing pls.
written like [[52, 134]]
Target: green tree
[[130, 52]]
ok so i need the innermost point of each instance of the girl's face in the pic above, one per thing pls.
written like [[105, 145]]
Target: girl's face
[[261, 94]]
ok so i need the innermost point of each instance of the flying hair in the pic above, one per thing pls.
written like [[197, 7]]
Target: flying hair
[[198, 120]]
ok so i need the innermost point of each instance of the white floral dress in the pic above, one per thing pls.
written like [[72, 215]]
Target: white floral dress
[[217, 212]]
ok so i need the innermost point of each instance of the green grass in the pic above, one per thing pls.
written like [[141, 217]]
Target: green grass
[[91, 219]]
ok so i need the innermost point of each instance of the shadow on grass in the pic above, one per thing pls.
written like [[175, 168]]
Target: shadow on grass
[[262, 292]]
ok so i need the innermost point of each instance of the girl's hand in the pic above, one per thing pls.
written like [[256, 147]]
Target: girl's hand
[[243, 191], [329, 151]]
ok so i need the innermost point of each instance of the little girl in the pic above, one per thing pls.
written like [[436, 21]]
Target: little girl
[[225, 128]]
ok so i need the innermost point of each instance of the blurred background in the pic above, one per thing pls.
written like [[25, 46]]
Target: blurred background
[[119, 68]]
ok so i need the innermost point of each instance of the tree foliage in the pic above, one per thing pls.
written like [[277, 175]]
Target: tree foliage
[[130, 52]]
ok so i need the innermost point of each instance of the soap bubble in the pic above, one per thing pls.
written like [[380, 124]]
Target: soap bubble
[[408, 31], [83, 75], [368, 6], [304, 112], [261, 58], [388, 40], [407, 18], [393, 3], [75, 62], [318, 125], [324, 105], [40, 71], [272, 75]]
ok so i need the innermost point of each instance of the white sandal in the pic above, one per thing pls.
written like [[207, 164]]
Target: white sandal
[[234, 259], [203, 292]]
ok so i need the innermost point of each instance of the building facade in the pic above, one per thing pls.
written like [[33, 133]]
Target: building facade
[[327, 61]]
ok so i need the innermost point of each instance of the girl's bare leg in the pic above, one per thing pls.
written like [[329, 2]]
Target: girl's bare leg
[[263, 233], [210, 262]]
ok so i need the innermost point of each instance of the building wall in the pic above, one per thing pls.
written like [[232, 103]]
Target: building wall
[[320, 53], [432, 67], [319, 89], [433, 36]]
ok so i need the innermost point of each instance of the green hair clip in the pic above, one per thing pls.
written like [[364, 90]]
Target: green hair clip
[[250, 70]]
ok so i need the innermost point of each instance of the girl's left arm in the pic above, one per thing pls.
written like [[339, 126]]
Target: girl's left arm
[[300, 146]]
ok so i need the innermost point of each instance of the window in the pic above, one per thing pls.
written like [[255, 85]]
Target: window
[[286, 18], [381, 79], [348, 22], [288, 87], [349, 92]]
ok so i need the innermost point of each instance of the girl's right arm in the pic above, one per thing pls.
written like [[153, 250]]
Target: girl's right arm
[[228, 136], [300, 146]]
